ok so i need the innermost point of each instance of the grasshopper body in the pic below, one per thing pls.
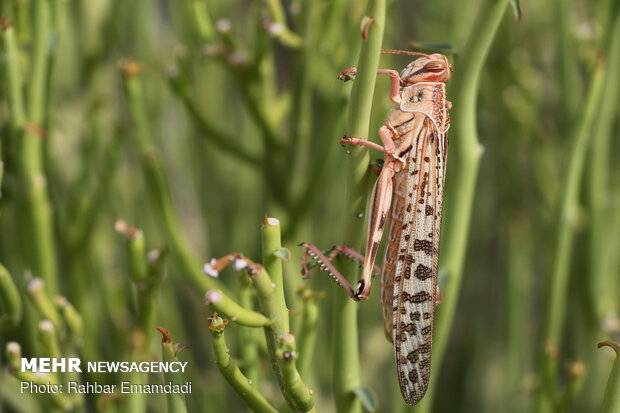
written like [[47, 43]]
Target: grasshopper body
[[407, 199]]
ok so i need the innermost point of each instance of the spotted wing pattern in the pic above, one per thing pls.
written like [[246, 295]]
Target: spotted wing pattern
[[409, 277]]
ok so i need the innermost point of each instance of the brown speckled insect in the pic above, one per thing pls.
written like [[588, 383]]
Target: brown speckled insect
[[407, 198]]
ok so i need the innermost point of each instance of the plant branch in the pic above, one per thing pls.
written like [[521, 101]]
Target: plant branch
[[308, 329], [226, 142], [40, 234], [560, 272], [231, 372], [611, 400], [156, 179], [273, 264], [278, 28], [10, 300], [346, 363], [170, 353], [224, 305], [297, 395]]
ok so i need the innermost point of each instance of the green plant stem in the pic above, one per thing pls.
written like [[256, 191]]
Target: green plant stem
[[90, 206], [308, 330], [576, 373], [251, 79], [271, 243], [146, 271], [569, 76], [51, 401], [222, 304], [148, 289], [223, 140], [13, 77], [231, 372], [467, 151], [249, 349], [169, 352], [10, 301], [295, 392], [40, 233], [72, 320], [558, 280], [135, 402], [611, 400], [202, 21], [48, 337], [519, 304], [156, 180], [299, 145], [136, 252], [246, 78], [287, 356], [41, 300], [282, 32], [346, 363], [603, 298]]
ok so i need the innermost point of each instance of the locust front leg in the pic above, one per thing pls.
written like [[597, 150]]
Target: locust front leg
[[394, 80]]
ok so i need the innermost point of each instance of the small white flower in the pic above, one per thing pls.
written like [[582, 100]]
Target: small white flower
[[275, 29], [46, 325], [223, 25], [209, 270], [153, 255], [35, 284], [14, 348], [213, 297], [240, 264]]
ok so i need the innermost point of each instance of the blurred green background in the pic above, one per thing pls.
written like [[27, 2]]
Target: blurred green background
[[192, 119]]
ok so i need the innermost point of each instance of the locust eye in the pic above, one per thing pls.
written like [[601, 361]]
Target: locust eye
[[435, 66]]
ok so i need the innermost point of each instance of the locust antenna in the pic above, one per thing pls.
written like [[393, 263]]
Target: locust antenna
[[403, 52]]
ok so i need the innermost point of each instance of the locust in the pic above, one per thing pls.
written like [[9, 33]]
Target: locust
[[407, 198]]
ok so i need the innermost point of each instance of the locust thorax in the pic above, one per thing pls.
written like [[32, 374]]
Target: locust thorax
[[432, 68]]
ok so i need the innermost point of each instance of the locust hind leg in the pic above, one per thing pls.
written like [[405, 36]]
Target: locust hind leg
[[325, 263], [380, 202]]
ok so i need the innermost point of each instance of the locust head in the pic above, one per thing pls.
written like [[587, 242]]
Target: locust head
[[429, 68]]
